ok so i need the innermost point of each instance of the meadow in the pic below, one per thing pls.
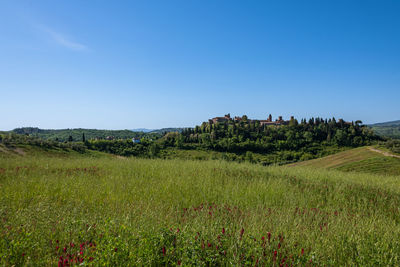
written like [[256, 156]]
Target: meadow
[[64, 209]]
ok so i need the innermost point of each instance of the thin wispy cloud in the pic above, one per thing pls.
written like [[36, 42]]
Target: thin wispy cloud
[[62, 39]]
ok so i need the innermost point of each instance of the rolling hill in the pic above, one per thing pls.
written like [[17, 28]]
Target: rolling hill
[[67, 208], [387, 129], [362, 159]]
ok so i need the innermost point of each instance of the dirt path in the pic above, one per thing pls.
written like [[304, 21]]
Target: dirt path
[[388, 154]]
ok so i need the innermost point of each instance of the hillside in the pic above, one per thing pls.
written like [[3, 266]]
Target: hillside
[[387, 129], [77, 134], [109, 211], [363, 159]]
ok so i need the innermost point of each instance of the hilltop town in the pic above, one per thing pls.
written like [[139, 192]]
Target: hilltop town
[[268, 121]]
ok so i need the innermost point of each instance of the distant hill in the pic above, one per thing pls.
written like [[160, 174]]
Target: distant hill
[[144, 130], [77, 134], [167, 130], [387, 129], [389, 123], [162, 130]]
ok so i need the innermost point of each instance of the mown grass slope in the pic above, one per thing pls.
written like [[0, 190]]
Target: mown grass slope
[[363, 159], [110, 211]]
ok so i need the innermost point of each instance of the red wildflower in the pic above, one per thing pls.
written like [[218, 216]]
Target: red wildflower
[[223, 230], [65, 249], [302, 251], [269, 236], [179, 262], [163, 251], [209, 244], [115, 249], [241, 233], [275, 254], [279, 245]]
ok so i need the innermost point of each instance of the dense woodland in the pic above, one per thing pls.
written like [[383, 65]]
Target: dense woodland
[[62, 135], [296, 141], [246, 140]]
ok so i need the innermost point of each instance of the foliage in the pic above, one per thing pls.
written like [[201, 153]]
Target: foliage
[[393, 145], [12, 139], [90, 134], [274, 144], [388, 129], [246, 140]]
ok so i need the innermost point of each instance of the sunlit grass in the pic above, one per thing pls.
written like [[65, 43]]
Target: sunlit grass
[[111, 211]]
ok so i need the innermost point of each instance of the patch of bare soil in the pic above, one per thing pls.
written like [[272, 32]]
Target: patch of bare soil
[[19, 151], [387, 154]]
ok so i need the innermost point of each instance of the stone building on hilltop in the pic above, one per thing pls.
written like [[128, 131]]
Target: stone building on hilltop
[[268, 121]]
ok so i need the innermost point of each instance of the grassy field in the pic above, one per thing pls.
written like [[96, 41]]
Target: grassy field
[[357, 160], [66, 208]]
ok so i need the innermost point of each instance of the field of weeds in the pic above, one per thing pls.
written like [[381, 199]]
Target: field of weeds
[[108, 211]]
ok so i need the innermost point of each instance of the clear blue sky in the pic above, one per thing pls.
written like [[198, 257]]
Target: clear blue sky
[[130, 64]]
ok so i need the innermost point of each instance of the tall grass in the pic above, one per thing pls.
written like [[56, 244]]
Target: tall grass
[[129, 212]]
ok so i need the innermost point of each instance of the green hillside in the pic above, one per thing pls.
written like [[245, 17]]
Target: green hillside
[[363, 159], [108, 211], [387, 129], [77, 134]]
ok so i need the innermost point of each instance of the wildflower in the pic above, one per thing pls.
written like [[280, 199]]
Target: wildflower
[[179, 263], [223, 230], [115, 249], [302, 251], [279, 245], [163, 251], [209, 244], [269, 236], [65, 249], [275, 254], [241, 233], [23, 254]]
